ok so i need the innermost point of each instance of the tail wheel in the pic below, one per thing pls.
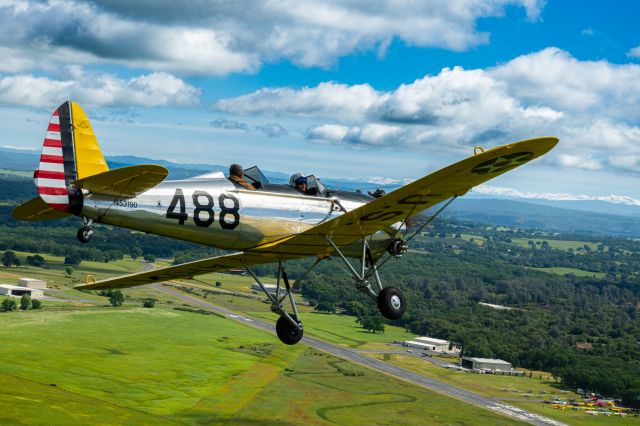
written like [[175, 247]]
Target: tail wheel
[[84, 235], [287, 332], [391, 303]]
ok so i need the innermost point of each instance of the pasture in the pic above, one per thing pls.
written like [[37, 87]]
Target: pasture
[[133, 365]]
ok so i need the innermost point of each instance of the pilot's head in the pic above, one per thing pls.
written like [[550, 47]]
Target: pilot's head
[[301, 184], [236, 170]]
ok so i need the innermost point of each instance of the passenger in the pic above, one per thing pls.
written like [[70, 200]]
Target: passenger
[[236, 174]]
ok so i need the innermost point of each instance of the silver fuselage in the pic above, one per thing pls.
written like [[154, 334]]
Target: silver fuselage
[[216, 213]]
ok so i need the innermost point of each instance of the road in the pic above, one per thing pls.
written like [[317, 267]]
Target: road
[[375, 364]]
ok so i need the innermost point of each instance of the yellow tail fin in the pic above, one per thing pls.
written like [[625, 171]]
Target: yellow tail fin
[[89, 158]]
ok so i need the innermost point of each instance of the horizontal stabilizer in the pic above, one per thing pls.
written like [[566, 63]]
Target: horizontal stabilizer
[[35, 210], [126, 182]]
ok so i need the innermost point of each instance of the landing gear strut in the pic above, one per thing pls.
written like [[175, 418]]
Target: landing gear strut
[[289, 326], [84, 233], [391, 301]]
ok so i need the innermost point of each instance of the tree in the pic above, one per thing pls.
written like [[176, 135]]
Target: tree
[[68, 271], [326, 307], [36, 260], [136, 253], [25, 302], [149, 303], [116, 298], [150, 258], [36, 304], [72, 259], [9, 305], [9, 259], [372, 322]]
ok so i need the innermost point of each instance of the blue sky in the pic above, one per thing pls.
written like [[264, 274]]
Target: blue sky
[[393, 89]]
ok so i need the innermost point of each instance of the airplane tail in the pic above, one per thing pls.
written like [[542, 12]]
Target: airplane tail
[[70, 152]]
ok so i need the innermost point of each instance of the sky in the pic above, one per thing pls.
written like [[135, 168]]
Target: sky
[[341, 89]]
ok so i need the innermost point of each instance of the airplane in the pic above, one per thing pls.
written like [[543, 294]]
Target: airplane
[[274, 223]]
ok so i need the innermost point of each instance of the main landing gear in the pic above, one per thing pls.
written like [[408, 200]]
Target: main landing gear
[[84, 233], [289, 325], [390, 300]]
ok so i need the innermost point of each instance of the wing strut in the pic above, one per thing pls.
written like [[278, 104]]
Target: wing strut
[[424, 225], [397, 246]]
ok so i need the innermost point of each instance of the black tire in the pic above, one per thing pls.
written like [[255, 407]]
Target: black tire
[[287, 332], [83, 235], [391, 303]]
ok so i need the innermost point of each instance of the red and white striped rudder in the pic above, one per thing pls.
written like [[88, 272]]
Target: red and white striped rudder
[[56, 170]]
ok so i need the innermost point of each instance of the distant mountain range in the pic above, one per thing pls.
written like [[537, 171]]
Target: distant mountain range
[[575, 216]]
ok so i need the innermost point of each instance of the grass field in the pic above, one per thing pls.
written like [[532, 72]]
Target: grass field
[[135, 365], [475, 238], [572, 271], [511, 390]]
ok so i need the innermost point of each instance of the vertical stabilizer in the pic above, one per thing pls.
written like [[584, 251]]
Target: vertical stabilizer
[[89, 158], [56, 169], [70, 152]]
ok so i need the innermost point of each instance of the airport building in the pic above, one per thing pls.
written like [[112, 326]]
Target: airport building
[[485, 364], [431, 344], [271, 288], [32, 283], [18, 291]]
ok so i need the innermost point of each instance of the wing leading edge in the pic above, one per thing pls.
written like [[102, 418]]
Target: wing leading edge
[[407, 201]]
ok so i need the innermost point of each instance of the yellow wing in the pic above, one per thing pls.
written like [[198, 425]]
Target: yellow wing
[[409, 200], [372, 217], [35, 210], [126, 182]]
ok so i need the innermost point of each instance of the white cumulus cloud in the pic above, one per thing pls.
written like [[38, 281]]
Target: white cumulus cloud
[[593, 106], [156, 89], [219, 37]]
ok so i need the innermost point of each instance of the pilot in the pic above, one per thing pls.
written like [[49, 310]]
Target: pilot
[[299, 181], [236, 174]]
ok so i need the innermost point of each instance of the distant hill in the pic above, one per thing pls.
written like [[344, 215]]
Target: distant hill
[[548, 218]]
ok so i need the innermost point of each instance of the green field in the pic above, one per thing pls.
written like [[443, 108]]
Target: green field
[[475, 238], [524, 392], [135, 365], [571, 271]]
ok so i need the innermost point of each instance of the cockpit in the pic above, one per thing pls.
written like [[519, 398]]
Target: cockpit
[[314, 187]]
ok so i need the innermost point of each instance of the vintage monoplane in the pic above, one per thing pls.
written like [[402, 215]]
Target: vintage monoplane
[[272, 224]]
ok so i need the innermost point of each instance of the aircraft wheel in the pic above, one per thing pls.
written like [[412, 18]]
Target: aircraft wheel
[[83, 235], [391, 303], [287, 332]]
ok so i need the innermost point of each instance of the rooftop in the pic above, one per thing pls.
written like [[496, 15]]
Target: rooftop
[[489, 360], [432, 340], [15, 287]]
